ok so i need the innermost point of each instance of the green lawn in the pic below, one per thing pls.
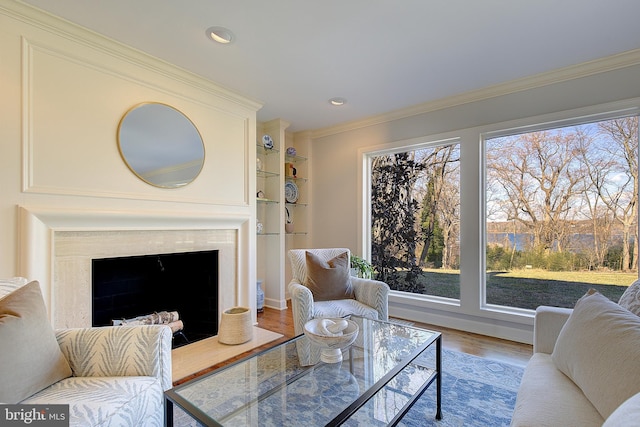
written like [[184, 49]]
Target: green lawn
[[526, 288]]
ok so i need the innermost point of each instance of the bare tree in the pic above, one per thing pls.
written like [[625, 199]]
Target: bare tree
[[620, 191], [440, 205], [449, 211], [597, 167], [540, 177]]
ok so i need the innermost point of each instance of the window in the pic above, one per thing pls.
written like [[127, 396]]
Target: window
[[561, 213], [415, 219]]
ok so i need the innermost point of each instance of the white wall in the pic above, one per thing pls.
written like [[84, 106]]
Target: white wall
[[337, 162], [63, 92]]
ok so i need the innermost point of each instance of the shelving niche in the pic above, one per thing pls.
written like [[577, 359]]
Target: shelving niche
[[272, 209]]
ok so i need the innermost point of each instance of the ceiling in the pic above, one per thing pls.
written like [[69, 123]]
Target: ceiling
[[380, 55]]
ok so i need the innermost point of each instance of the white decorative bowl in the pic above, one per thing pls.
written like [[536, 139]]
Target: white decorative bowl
[[331, 344]]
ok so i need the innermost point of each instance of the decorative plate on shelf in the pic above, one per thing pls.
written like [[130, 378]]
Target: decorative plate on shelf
[[267, 141], [290, 192]]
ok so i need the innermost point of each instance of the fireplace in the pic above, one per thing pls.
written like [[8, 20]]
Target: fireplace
[[59, 245], [186, 283]]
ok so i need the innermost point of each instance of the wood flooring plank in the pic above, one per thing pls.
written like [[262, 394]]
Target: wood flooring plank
[[281, 321]]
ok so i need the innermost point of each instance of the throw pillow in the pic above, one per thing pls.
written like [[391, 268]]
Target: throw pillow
[[630, 299], [599, 348], [31, 357], [328, 280], [627, 414]]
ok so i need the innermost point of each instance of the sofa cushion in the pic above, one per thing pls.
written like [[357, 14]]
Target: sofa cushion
[[546, 397], [31, 357], [627, 414], [328, 280], [599, 348], [107, 401], [630, 299]]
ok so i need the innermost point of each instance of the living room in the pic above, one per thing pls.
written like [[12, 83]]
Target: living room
[[65, 90], [37, 148]]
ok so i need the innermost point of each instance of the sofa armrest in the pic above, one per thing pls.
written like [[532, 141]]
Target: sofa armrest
[[373, 293], [547, 326], [301, 305], [119, 351]]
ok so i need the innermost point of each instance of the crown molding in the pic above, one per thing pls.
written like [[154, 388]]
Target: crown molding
[[48, 22], [597, 66]]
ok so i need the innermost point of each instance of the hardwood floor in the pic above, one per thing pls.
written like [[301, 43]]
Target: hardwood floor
[[466, 342]]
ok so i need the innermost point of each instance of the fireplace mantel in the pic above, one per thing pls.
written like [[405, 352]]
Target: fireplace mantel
[[57, 246]]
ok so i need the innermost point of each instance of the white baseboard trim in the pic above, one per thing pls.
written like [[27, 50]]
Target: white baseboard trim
[[513, 331]]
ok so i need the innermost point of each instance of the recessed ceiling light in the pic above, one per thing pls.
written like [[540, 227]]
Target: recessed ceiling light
[[220, 35], [337, 101]]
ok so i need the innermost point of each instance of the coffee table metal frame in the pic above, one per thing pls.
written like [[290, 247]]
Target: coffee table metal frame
[[172, 396]]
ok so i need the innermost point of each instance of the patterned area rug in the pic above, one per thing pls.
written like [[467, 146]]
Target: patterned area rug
[[476, 392]]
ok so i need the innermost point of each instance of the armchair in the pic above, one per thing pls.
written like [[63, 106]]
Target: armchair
[[109, 376], [371, 299], [119, 374]]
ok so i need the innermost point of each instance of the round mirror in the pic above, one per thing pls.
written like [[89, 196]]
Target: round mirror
[[160, 145]]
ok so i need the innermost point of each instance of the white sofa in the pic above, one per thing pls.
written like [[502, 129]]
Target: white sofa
[[585, 370], [111, 376]]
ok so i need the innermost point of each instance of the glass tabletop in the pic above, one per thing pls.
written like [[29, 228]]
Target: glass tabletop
[[273, 388]]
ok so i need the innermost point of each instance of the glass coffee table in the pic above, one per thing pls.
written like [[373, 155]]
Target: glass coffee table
[[382, 375]]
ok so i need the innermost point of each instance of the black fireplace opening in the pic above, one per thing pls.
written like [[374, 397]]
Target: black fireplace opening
[[128, 287]]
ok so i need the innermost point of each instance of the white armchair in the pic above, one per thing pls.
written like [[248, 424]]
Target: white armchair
[[371, 299], [109, 376]]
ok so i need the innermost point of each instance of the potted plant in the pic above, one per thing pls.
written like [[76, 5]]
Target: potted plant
[[360, 267]]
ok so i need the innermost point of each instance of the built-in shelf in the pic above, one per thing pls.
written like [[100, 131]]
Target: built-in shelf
[[294, 159], [295, 178], [267, 174], [262, 150], [274, 169], [268, 201]]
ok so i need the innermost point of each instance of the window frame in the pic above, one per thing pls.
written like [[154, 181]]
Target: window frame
[[471, 311], [530, 128], [398, 147]]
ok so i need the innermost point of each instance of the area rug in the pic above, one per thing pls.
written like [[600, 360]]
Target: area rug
[[476, 392]]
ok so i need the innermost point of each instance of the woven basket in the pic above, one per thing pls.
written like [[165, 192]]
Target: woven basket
[[235, 326]]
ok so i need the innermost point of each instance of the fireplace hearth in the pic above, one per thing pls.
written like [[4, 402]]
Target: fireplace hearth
[[127, 287]]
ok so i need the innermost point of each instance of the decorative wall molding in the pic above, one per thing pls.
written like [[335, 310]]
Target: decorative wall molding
[[601, 65]]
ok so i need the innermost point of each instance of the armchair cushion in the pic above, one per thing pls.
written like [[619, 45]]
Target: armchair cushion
[[9, 285], [107, 401], [328, 280], [31, 357], [343, 308]]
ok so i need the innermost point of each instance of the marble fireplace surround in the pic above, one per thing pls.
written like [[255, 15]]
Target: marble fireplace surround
[[57, 246]]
